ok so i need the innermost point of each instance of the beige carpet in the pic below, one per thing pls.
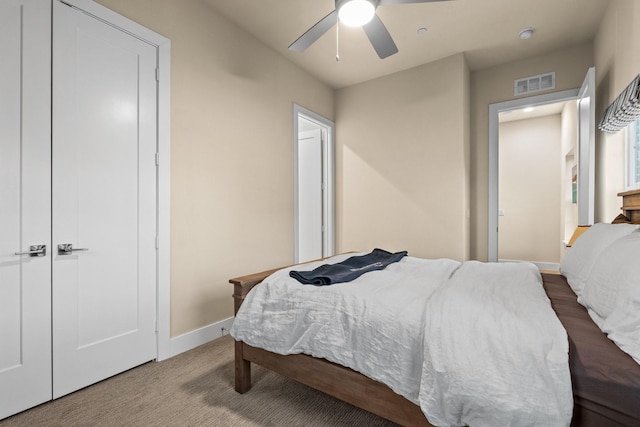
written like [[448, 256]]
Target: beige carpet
[[195, 389]]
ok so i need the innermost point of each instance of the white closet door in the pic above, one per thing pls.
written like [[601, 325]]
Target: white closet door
[[104, 200], [25, 204], [310, 196]]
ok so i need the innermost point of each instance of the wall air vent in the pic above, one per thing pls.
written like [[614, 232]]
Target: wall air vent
[[534, 84]]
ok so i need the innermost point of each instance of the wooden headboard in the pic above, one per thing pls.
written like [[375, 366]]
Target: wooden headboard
[[631, 205]]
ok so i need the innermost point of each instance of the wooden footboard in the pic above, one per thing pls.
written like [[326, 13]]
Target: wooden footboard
[[320, 374]]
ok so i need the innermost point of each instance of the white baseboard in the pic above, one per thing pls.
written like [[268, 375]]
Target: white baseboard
[[549, 266], [193, 339], [541, 265]]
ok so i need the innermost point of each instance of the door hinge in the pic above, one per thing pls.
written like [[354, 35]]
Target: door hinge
[[157, 159], [157, 243], [157, 74]]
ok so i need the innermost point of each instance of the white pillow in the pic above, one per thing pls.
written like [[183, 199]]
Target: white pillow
[[610, 275], [623, 328], [577, 262], [612, 293]]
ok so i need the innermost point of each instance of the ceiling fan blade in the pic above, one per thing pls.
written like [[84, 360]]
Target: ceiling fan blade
[[315, 32], [380, 38], [383, 2]]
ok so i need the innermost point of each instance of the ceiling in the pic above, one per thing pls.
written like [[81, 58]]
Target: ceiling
[[485, 30], [531, 112]]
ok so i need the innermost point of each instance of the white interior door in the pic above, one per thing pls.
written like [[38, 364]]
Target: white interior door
[[25, 204], [587, 149], [104, 200], [310, 195]]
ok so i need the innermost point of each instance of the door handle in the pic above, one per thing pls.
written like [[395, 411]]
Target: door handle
[[68, 249], [34, 250]]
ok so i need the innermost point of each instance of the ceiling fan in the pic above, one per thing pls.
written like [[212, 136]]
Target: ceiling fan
[[356, 13]]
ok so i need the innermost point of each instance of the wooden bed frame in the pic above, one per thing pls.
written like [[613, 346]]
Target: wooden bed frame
[[349, 385], [320, 374]]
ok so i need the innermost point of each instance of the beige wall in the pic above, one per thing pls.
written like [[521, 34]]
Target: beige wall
[[530, 190], [617, 59], [231, 153], [402, 161], [495, 85]]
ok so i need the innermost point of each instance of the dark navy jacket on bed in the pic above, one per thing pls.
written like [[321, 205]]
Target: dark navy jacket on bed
[[349, 269]]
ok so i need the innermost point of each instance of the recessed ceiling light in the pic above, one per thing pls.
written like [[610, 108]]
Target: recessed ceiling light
[[528, 109], [421, 31], [526, 33]]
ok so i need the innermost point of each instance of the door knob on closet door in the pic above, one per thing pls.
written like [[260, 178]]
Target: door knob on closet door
[[34, 250], [68, 249]]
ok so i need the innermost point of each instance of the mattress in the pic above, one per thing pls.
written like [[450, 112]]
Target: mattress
[[472, 343], [605, 380]]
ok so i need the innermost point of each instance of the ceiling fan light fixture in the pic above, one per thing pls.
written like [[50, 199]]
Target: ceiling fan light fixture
[[356, 13]]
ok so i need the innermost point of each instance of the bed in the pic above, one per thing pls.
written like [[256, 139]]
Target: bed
[[605, 380]]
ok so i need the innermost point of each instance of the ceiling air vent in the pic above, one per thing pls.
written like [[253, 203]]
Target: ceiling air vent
[[534, 83]]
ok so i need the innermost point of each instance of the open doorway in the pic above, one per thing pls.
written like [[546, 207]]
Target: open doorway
[[585, 152], [536, 161], [313, 185]]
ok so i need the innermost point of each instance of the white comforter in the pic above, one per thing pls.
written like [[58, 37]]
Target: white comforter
[[471, 343]]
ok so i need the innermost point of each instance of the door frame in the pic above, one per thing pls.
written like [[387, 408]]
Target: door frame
[[328, 178], [163, 234], [494, 142]]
